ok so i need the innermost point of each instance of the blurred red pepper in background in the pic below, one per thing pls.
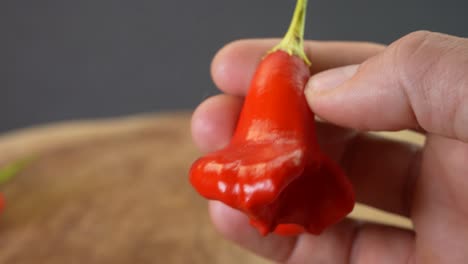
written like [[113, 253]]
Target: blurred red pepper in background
[[9, 171], [2, 203]]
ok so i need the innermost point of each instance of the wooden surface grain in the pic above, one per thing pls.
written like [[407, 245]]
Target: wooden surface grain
[[112, 191], [108, 192]]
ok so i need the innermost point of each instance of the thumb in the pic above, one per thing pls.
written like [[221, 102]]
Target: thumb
[[419, 81]]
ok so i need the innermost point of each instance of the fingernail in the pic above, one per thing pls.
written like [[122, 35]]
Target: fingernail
[[330, 79]]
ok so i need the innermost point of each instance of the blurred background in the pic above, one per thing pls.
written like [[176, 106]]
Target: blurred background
[[69, 59]]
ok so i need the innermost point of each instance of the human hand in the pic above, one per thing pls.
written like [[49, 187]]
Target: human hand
[[419, 82]]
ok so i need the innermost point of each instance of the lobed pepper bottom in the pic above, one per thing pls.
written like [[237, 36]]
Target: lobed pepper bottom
[[316, 199], [280, 192]]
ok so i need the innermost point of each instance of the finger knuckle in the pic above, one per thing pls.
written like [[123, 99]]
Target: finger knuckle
[[421, 59], [409, 53], [413, 41], [406, 56]]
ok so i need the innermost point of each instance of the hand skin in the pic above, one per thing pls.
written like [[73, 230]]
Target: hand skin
[[419, 82]]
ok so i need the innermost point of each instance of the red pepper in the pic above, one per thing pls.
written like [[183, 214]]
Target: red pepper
[[273, 169], [2, 203]]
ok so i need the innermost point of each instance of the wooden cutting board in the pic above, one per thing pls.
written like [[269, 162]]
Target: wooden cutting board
[[111, 191]]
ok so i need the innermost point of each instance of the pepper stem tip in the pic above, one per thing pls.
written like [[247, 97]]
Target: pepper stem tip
[[293, 41]]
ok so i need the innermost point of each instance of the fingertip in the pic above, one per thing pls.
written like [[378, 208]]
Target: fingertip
[[336, 96], [222, 66], [235, 226], [228, 221], [233, 66], [214, 121]]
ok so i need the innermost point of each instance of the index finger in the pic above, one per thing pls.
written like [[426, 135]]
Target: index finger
[[233, 66]]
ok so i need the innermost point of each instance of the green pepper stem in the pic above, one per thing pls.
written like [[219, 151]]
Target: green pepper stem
[[293, 41]]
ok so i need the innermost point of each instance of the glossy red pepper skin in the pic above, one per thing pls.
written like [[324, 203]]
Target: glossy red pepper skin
[[273, 169]]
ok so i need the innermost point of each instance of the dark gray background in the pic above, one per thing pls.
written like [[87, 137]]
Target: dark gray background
[[69, 59]]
